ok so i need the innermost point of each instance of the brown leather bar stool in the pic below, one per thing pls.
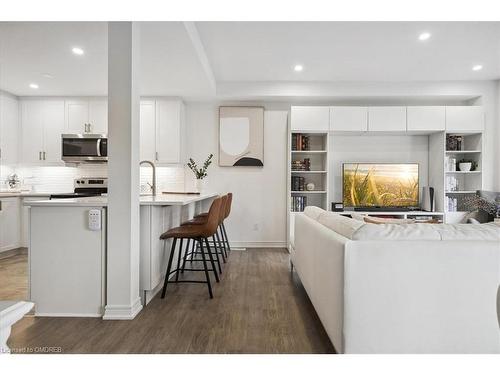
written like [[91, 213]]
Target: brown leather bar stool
[[201, 220], [222, 228], [198, 233]]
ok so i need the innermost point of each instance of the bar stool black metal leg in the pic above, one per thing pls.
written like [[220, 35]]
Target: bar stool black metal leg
[[193, 252], [170, 258], [223, 240], [221, 247], [217, 259], [205, 268], [186, 253], [209, 251], [225, 234], [179, 256]]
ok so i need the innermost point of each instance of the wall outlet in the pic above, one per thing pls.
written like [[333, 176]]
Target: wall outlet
[[95, 220]]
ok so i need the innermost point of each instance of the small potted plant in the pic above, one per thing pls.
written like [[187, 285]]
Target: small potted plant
[[466, 165], [200, 173]]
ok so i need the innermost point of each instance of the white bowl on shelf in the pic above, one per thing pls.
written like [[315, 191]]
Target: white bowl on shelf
[[465, 167]]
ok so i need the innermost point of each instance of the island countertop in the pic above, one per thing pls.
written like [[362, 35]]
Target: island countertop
[[144, 200]]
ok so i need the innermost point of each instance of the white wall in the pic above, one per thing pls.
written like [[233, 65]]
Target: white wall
[[376, 149], [497, 143], [258, 216]]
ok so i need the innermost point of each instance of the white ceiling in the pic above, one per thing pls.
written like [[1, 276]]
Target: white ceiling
[[351, 51], [246, 52]]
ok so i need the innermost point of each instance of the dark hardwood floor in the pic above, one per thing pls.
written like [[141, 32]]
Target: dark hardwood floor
[[14, 275], [258, 307]]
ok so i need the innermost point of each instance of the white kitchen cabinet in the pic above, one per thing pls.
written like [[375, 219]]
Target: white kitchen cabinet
[[9, 129], [10, 223], [426, 118], [32, 131], [308, 118], [98, 116], [170, 131], [349, 119], [86, 116], [386, 119], [42, 123], [464, 118], [53, 127], [148, 130]]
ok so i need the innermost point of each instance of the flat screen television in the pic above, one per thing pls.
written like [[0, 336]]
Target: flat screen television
[[390, 185]]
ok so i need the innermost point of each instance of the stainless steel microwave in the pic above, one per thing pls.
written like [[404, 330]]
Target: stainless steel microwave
[[84, 148]]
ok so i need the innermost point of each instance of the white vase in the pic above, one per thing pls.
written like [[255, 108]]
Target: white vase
[[200, 185]]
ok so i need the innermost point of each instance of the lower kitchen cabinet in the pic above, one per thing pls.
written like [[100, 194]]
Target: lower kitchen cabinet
[[10, 223]]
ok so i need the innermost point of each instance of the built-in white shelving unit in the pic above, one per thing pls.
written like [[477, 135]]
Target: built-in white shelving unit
[[323, 124]]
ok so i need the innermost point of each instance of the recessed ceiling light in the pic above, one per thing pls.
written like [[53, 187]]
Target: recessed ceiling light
[[298, 68], [477, 67], [33, 85], [77, 51], [424, 36], [47, 75]]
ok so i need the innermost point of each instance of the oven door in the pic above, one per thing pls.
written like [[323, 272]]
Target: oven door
[[84, 148]]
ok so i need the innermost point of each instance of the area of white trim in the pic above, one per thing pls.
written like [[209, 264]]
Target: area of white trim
[[193, 34], [122, 312], [259, 244], [69, 315]]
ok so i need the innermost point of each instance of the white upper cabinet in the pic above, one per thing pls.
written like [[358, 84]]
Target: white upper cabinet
[[53, 127], [170, 129], [386, 119], [349, 119], [77, 116], [9, 128], [87, 116], [42, 123], [148, 130], [32, 131], [426, 118], [464, 118], [304, 118], [98, 116]]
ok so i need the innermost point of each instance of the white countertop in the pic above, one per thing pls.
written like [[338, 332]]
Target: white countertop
[[17, 193], [145, 200]]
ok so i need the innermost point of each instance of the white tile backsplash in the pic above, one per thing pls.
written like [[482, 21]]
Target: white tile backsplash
[[59, 179]]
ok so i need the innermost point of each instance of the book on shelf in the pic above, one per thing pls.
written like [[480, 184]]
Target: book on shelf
[[298, 203], [298, 183], [300, 142], [301, 165]]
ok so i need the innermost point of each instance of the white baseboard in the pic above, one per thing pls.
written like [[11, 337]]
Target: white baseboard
[[68, 315], [122, 312], [258, 244]]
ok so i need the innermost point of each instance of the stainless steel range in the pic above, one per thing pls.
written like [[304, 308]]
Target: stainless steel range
[[85, 187]]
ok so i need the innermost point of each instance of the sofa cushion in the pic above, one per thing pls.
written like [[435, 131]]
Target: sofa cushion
[[469, 232], [386, 220], [313, 212], [397, 232], [344, 226]]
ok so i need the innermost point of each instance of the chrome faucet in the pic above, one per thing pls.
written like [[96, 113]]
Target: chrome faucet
[[153, 186]]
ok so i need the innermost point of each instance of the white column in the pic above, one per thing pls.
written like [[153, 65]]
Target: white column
[[123, 301]]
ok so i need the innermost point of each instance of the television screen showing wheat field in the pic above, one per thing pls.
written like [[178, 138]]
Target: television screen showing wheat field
[[389, 185]]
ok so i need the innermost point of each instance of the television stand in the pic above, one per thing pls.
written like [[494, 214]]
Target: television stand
[[402, 214], [383, 209]]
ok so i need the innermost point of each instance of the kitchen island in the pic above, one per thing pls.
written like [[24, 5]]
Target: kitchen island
[[67, 249]]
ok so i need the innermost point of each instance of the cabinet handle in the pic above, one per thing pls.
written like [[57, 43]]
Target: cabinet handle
[[156, 155], [39, 155], [0, 205], [44, 155], [90, 128]]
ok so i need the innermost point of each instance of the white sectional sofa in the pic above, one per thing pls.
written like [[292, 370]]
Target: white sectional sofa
[[393, 288]]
